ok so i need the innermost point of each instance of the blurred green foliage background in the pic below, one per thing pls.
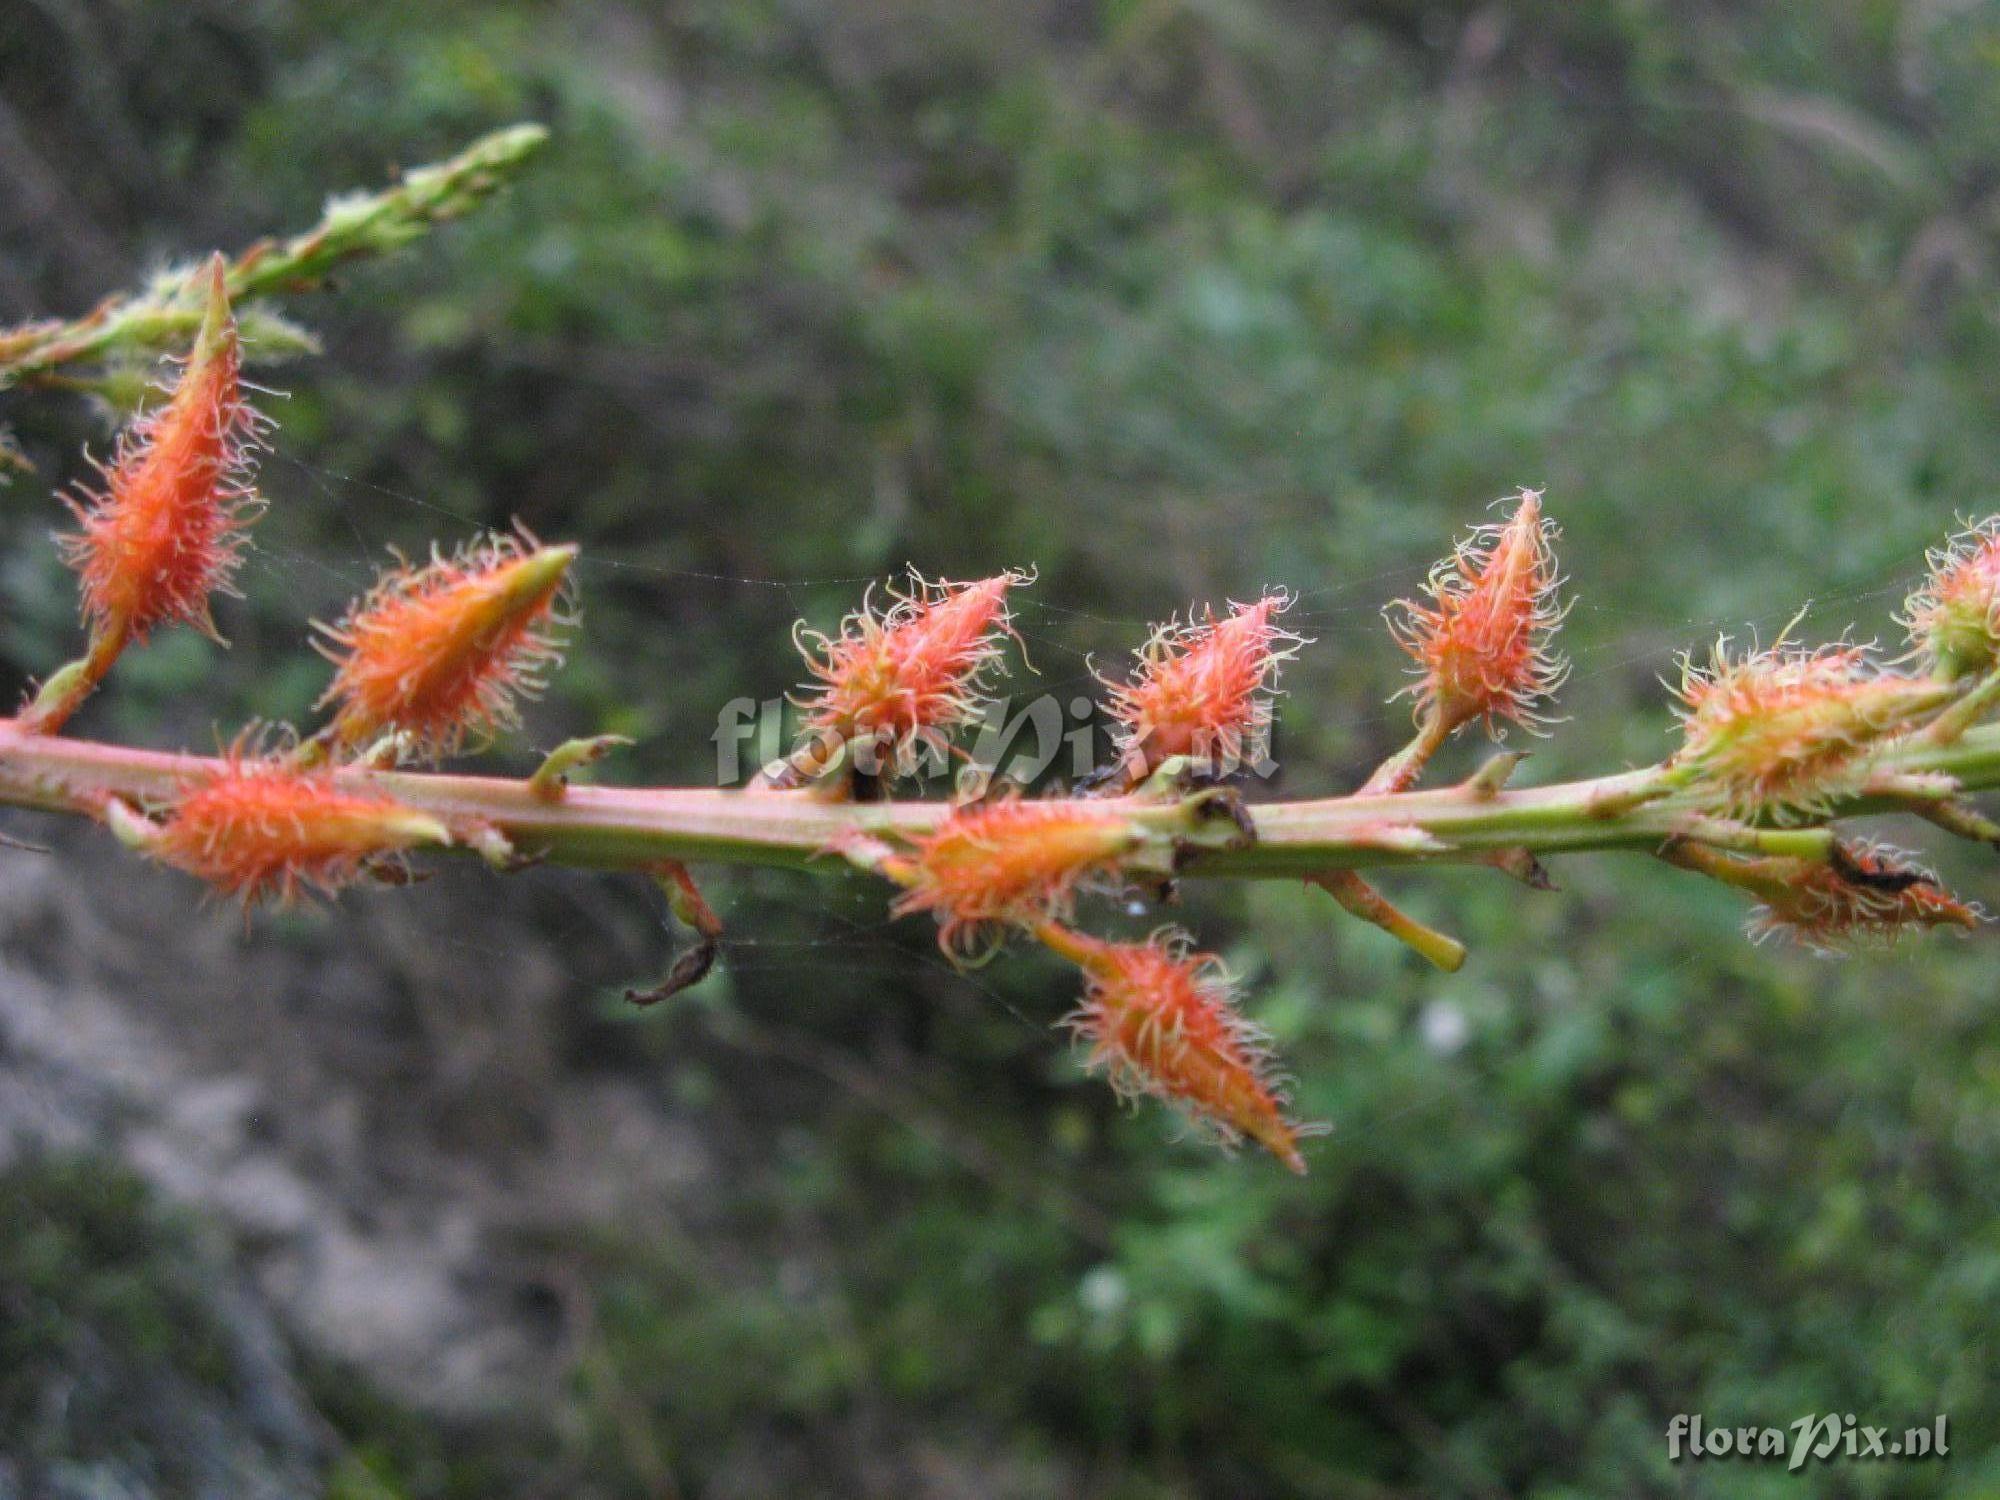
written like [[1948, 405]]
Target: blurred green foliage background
[[1173, 299]]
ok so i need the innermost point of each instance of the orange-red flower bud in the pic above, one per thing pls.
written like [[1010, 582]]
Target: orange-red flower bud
[[908, 676], [1954, 619], [168, 528], [1009, 862], [1481, 645], [1162, 1020], [1204, 689], [1868, 893], [262, 827], [437, 653], [1782, 731]]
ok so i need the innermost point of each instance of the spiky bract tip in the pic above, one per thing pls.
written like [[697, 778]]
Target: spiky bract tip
[[168, 527], [442, 653], [1009, 863], [261, 828], [1482, 643], [1953, 620], [1160, 1019], [1204, 689], [1784, 731], [1868, 894], [901, 679]]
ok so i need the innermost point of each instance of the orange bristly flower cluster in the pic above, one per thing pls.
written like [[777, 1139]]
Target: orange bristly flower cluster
[[1008, 863], [262, 827], [1954, 619], [1162, 1020], [905, 678], [1481, 643], [441, 652], [168, 528], [1779, 732], [1868, 893], [1204, 690]]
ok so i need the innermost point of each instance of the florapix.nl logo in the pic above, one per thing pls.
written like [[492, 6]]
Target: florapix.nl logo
[[1024, 739], [1828, 1437]]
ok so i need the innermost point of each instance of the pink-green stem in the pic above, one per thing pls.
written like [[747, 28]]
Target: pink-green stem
[[1400, 771], [636, 829]]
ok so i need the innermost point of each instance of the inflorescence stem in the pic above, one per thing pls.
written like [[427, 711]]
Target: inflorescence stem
[[637, 828]]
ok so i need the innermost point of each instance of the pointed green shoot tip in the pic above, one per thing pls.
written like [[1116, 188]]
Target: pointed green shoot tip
[[217, 325], [538, 575], [512, 143]]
